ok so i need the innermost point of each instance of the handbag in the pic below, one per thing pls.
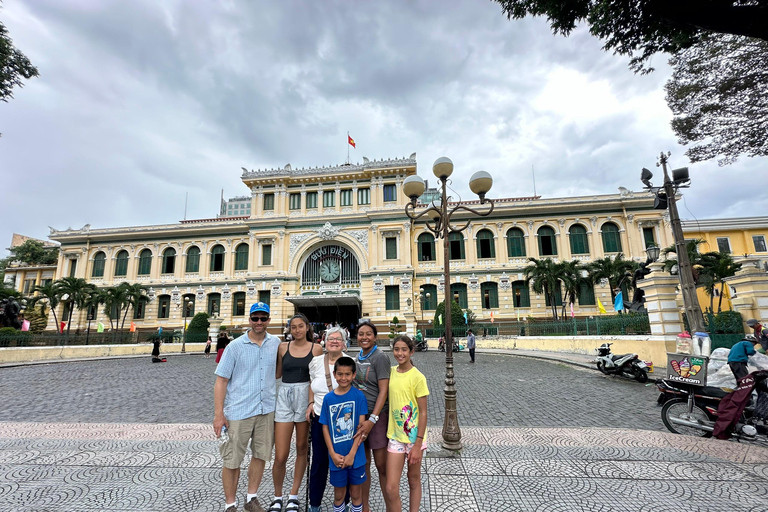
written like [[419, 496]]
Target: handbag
[[328, 380]]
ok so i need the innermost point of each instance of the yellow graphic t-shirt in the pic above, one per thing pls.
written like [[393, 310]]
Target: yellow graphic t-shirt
[[404, 389]]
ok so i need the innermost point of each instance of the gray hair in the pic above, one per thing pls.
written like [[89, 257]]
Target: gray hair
[[334, 330]]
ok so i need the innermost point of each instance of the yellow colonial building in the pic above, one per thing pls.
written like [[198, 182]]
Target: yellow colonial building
[[335, 243]]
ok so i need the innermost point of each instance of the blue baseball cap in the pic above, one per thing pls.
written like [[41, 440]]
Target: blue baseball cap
[[259, 306]]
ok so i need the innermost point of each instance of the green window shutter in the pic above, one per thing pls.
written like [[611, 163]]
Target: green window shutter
[[650, 241], [392, 298], [311, 199], [586, 294], [217, 259], [264, 296], [430, 303], [389, 193], [294, 202], [485, 244], [521, 295], [346, 198], [611, 238], [329, 199], [266, 254], [426, 245], [363, 196], [98, 265], [238, 304], [515, 243], [241, 257], [145, 262], [459, 294], [193, 260], [163, 306], [547, 242], [558, 296], [391, 248], [489, 295], [456, 247], [121, 264], [579, 243], [269, 202]]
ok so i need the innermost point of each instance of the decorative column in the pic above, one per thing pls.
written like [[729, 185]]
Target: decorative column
[[749, 290], [662, 301]]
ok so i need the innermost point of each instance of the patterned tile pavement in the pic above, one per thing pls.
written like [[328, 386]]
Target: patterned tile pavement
[[73, 467]]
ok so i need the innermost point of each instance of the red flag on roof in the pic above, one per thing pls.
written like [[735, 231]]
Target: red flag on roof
[[351, 141]]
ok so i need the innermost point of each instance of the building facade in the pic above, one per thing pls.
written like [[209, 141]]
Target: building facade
[[23, 276], [334, 243]]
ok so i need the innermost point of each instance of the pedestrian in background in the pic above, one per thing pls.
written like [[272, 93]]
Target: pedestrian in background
[[222, 340], [471, 345], [244, 402]]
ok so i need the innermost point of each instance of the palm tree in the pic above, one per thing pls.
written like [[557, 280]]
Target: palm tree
[[74, 291], [572, 278], [134, 294], [692, 248], [613, 269], [716, 266], [50, 296], [113, 299], [544, 277]]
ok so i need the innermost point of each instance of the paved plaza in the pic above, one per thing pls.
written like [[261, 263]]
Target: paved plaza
[[129, 435]]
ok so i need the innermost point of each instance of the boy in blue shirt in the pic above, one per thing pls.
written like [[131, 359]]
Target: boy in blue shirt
[[739, 356], [343, 411]]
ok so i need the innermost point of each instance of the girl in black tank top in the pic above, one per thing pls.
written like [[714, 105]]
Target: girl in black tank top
[[292, 399]]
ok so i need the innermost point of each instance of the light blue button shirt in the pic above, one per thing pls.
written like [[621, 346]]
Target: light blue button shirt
[[252, 388]]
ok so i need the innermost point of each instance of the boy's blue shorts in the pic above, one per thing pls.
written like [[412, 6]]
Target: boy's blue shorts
[[348, 476]]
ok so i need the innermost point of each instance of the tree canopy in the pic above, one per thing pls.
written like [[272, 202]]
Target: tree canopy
[[14, 66], [640, 28], [718, 94], [34, 252]]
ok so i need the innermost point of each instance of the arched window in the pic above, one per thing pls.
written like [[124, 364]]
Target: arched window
[[163, 306], [429, 300], [490, 295], [214, 304], [145, 262], [579, 242], [426, 243], [456, 246], [241, 257], [522, 297], [547, 242], [217, 258], [169, 261], [486, 247], [515, 243], [121, 264], [459, 294], [98, 264], [193, 260], [611, 237], [238, 304]]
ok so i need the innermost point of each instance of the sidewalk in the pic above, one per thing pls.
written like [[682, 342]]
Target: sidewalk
[[78, 467]]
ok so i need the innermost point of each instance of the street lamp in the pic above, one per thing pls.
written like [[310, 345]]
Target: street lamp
[[665, 199], [184, 336], [423, 298], [437, 217]]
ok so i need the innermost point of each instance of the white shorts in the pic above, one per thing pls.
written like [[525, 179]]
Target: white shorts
[[292, 401]]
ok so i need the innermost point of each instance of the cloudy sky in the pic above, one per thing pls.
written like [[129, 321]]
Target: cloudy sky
[[139, 103]]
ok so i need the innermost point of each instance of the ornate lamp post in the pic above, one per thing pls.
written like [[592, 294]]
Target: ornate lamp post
[[184, 337], [438, 220], [665, 198]]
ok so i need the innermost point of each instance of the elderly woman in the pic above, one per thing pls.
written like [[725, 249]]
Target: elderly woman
[[372, 378], [321, 383]]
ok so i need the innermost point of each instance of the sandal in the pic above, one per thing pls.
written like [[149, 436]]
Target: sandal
[[292, 506], [276, 506]]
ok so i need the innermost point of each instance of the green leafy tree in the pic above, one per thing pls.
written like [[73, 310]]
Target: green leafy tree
[[114, 299], [198, 327], [34, 252], [14, 66], [135, 294], [641, 28], [394, 328], [572, 276], [457, 315], [543, 276], [718, 94], [7, 292], [75, 292], [616, 270]]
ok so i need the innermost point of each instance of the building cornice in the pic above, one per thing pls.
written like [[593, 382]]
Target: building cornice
[[728, 224], [330, 173]]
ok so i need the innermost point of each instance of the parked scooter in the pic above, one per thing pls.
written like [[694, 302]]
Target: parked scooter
[[422, 346], [626, 364], [456, 346], [704, 411]]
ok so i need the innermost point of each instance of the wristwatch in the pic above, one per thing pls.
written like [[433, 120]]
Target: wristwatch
[[374, 418]]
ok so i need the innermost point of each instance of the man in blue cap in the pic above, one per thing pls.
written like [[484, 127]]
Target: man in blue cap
[[244, 402]]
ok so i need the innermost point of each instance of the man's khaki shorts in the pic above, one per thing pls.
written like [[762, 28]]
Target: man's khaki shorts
[[260, 430]]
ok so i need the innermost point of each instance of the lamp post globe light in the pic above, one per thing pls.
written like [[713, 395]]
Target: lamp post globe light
[[184, 336], [665, 199], [438, 217]]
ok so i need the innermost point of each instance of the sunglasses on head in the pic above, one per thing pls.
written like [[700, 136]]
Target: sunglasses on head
[[262, 319]]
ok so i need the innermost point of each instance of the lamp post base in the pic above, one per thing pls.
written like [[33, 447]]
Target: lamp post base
[[451, 430]]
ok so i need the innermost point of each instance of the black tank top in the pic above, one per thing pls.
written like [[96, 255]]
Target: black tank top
[[296, 369]]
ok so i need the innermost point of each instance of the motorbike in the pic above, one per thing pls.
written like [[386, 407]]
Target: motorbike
[[706, 411], [456, 346], [760, 333], [626, 364], [422, 346]]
